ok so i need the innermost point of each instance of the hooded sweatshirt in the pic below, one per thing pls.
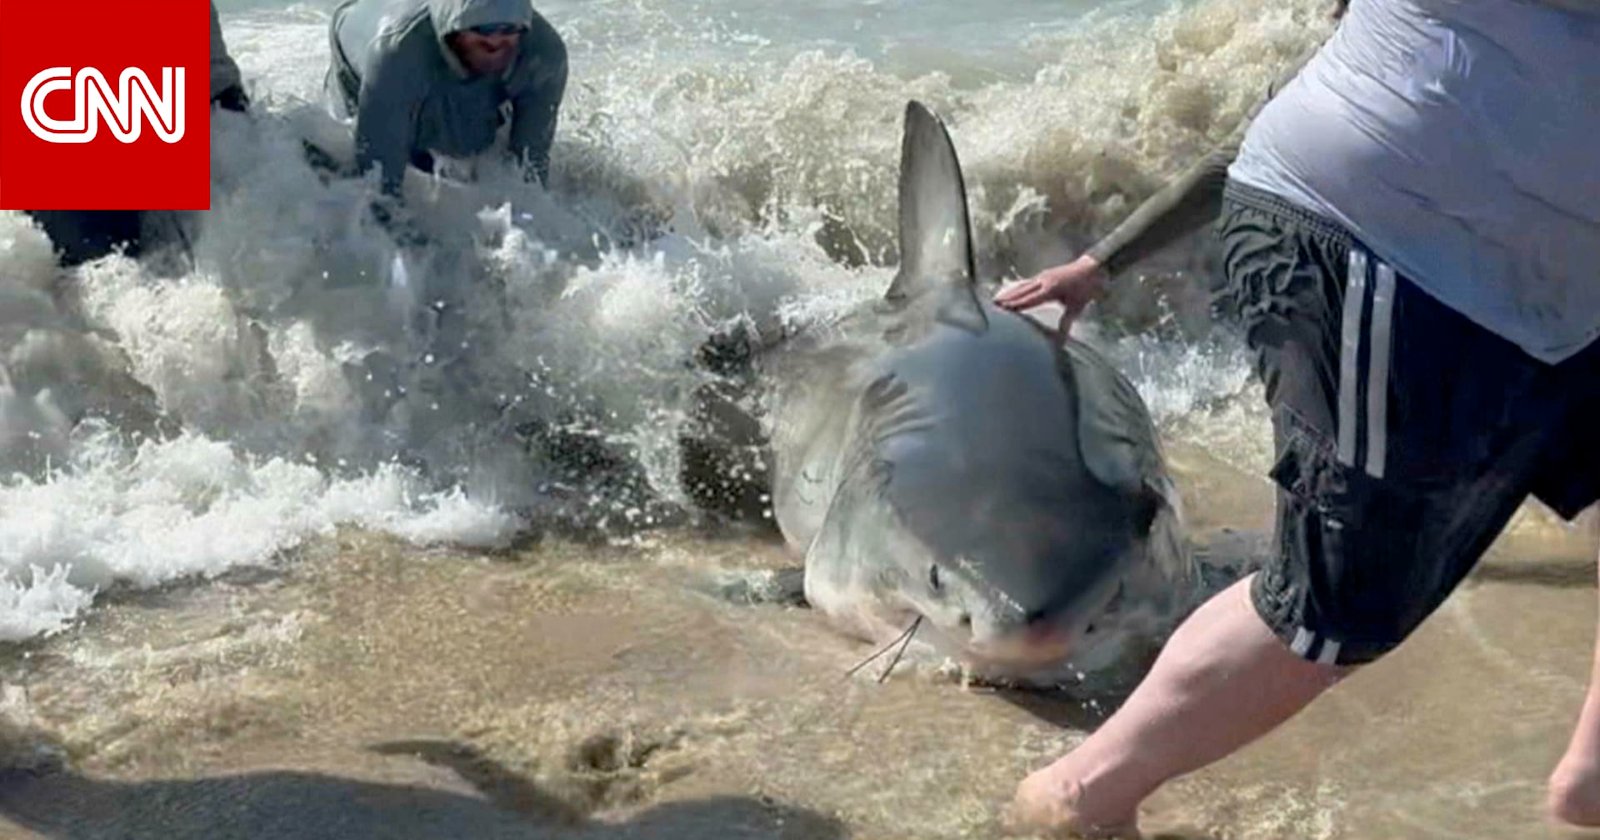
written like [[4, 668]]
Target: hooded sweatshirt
[[410, 94]]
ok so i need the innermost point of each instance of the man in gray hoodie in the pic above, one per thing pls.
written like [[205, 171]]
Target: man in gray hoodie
[[440, 77]]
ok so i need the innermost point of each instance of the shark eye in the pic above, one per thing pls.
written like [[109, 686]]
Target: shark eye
[[933, 579]]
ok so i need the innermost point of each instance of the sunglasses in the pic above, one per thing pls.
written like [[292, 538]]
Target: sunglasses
[[493, 29]]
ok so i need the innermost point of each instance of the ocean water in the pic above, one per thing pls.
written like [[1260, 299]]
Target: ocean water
[[289, 372]]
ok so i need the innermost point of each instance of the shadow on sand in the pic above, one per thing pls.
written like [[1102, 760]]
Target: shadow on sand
[[296, 805]]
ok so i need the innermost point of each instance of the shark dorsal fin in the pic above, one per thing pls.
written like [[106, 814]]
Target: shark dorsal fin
[[936, 259]]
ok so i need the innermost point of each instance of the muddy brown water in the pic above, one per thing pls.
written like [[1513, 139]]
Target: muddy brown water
[[364, 687]]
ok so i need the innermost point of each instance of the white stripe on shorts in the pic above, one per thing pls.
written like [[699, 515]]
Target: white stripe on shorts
[[1355, 294], [1379, 336], [1378, 371]]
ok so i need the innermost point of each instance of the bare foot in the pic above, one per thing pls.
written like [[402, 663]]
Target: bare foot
[[1574, 793], [1046, 805]]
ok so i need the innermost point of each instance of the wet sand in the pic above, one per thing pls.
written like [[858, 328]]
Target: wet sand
[[366, 688]]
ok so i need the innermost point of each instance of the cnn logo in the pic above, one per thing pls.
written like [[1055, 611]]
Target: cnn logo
[[125, 109], [115, 117]]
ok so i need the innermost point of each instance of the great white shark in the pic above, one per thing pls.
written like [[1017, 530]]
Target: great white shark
[[959, 472]]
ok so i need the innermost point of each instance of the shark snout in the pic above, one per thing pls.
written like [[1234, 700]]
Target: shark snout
[[1042, 631], [1040, 640], [983, 618], [992, 634]]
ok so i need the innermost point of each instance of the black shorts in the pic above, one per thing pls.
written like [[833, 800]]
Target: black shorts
[[1406, 435]]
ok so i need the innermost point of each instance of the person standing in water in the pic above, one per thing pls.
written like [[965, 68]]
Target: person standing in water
[[84, 235], [1411, 243], [424, 78]]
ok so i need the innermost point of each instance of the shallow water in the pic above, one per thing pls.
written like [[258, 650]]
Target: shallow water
[[366, 688]]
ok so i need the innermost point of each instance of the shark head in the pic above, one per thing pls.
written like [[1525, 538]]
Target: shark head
[[999, 495], [1008, 562]]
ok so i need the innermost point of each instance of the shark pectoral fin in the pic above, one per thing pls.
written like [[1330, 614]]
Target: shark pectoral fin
[[752, 587], [1168, 547], [789, 587], [1118, 443], [834, 565], [1115, 434]]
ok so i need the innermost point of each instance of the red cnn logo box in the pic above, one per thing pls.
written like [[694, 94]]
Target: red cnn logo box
[[105, 105]]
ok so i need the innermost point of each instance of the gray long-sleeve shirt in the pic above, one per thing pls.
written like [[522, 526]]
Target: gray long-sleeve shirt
[[410, 94], [1191, 200]]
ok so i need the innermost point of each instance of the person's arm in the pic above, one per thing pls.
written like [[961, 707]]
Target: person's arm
[[535, 109], [1192, 200], [385, 119], [1179, 208]]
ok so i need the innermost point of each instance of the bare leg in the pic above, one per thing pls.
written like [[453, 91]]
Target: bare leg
[[1575, 785], [1222, 681]]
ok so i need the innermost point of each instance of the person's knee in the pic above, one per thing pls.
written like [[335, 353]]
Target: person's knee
[[1331, 650], [1230, 634]]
